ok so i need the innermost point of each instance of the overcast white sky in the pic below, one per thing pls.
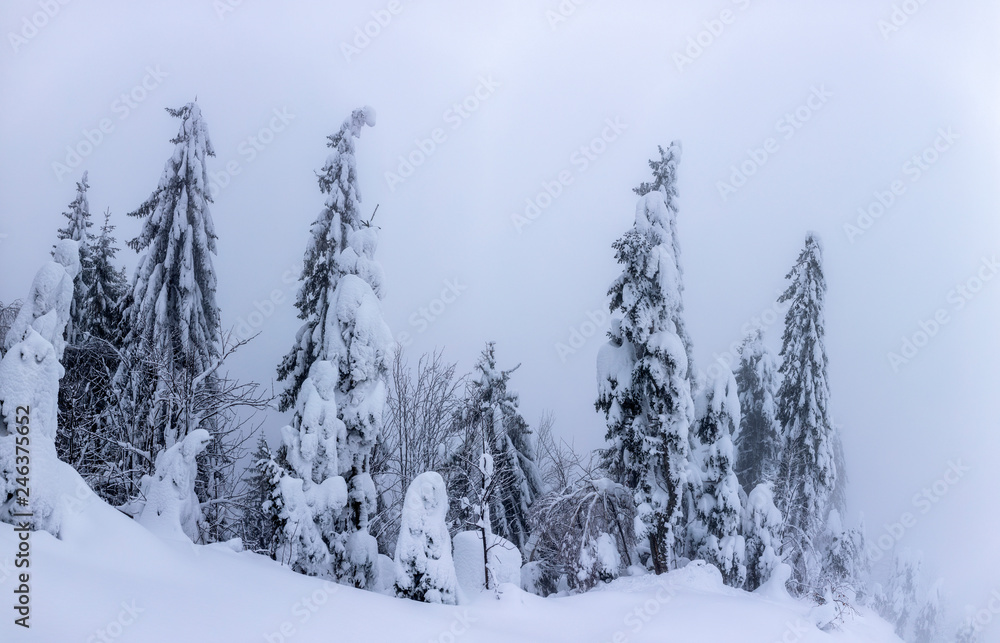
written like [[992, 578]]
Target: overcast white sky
[[546, 88]]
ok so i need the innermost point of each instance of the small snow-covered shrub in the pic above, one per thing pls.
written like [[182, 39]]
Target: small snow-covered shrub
[[424, 567], [585, 534], [171, 508]]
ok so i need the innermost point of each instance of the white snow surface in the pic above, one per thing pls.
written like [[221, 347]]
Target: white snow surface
[[109, 570]]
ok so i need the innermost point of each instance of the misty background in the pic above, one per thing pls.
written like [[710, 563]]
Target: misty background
[[550, 77]]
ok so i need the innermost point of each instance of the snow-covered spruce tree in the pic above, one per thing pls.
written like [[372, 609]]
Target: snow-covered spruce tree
[[339, 301], [106, 287], [424, 567], [845, 567], [927, 624], [643, 388], [968, 631], [714, 532], [758, 444], [171, 320], [900, 605], [493, 425], [665, 182], [341, 242], [87, 438], [258, 526], [807, 473], [78, 229], [761, 531], [310, 496]]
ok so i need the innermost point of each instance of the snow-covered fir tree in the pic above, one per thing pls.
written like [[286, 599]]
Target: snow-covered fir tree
[[339, 301], [897, 601], [665, 182], [762, 525], [309, 499], [927, 624], [758, 444], [341, 242], [87, 436], [106, 287], [714, 532], [807, 473], [493, 425], [423, 563], [171, 319], [259, 526], [901, 605], [845, 567], [78, 229], [968, 631], [643, 388]]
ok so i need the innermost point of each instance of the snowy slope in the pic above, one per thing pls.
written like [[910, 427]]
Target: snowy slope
[[109, 573]]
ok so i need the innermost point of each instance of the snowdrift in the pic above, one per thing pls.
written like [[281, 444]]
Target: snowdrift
[[110, 577]]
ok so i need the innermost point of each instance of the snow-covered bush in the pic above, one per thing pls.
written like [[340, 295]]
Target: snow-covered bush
[[171, 508], [846, 566], [424, 567], [584, 534], [600, 560]]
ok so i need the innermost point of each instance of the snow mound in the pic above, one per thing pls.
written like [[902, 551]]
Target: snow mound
[[774, 587]]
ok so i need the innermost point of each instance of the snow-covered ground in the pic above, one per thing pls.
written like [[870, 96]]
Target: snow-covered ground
[[110, 579]]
